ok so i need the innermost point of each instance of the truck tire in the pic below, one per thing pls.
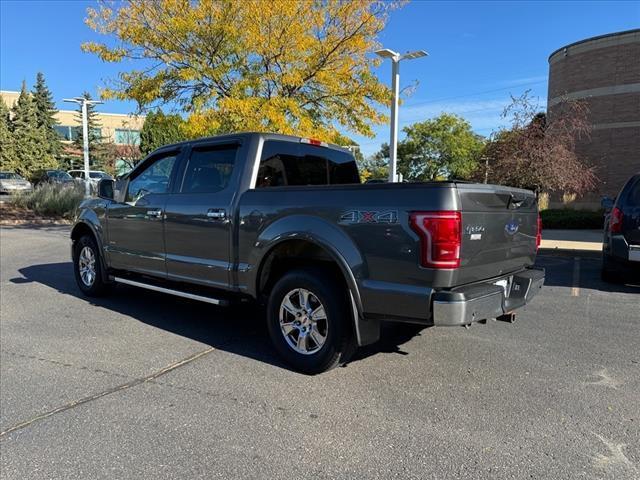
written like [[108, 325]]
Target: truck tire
[[309, 321], [607, 274], [87, 267]]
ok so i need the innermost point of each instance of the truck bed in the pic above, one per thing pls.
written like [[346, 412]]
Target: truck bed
[[371, 224]]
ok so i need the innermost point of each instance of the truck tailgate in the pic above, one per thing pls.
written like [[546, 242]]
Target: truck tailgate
[[499, 228]]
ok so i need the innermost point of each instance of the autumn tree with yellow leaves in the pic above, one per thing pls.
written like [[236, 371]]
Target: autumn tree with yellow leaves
[[295, 67]]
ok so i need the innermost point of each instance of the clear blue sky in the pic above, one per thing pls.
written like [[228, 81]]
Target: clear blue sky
[[480, 52]]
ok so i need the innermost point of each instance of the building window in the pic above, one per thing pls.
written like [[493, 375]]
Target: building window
[[65, 132], [70, 133], [94, 136], [124, 136]]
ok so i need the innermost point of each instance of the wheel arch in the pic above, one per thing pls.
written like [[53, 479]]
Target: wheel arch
[[306, 248], [303, 250], [82, 228]]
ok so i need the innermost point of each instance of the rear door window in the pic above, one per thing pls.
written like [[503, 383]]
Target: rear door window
[[288, 164], [209, 169]]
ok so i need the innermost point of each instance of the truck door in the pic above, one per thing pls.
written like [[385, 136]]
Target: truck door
[[136, 224], [198, 216]]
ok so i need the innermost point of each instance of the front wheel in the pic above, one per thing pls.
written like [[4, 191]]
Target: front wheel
[[309, 322], [87, 267]]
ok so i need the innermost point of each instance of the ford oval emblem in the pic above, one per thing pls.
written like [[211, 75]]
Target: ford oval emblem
[[512, 227]]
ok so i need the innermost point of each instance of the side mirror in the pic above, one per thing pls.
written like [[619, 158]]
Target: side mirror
[[606, 203], [105, 188], [120, 189]]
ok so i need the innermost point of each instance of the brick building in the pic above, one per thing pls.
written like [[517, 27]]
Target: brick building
[[604, 72]]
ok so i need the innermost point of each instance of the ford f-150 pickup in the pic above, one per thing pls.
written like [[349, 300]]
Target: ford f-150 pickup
[[284, 221]]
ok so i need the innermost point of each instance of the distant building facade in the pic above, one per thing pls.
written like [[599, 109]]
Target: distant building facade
[[116, 128], [604, 72]]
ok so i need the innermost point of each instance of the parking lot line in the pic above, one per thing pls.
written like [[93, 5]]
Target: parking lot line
[[575, 287], [117, 388]]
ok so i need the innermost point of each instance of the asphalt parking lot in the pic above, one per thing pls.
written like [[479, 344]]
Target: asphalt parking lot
[[140, 385]]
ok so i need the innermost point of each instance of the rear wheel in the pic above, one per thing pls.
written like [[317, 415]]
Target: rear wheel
[[87, 267], [308, 319]]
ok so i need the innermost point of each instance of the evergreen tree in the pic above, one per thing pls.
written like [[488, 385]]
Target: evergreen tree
[[8, 161], [160, 129], [94, 125], [45, 115], [30, 143]]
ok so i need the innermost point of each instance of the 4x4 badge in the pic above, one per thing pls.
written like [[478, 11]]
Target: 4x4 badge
[[369, 216]]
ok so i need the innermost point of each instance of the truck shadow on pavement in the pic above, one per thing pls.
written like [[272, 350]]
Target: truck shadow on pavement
[[582, 272], [238, 329]]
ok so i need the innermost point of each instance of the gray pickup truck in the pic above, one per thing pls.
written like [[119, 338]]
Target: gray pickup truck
[[285, 221]]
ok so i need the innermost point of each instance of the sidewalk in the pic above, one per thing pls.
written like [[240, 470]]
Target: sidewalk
[[572, 240]]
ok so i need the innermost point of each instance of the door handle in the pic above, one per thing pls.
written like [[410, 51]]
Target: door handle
[[216, 214], [154, 213]]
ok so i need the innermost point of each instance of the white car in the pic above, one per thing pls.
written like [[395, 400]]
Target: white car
[[11, 182], [94, 176]]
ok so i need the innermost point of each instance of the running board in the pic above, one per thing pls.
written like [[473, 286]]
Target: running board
[[170, 291]]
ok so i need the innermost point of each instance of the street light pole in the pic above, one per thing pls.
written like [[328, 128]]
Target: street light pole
[[395, 88], [85, 147], [85, 136], [393, 144]]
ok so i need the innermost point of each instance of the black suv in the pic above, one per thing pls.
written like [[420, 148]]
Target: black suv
[[621, 245]]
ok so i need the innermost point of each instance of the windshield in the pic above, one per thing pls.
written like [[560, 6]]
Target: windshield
[[10, 176], [99, 175], [59, 174]]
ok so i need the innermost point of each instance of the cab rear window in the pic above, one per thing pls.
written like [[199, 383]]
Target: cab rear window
[[289, 164]]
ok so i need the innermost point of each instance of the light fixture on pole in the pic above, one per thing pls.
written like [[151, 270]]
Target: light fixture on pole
[[395, 86], [83, 102]]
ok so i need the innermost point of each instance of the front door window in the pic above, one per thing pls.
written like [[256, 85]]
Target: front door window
[[154, 178]]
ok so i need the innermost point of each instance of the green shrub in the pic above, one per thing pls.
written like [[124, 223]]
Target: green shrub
[[52, 200], [572, 219]]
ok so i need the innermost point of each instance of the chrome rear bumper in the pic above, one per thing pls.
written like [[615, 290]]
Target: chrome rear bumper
[[472, 303]]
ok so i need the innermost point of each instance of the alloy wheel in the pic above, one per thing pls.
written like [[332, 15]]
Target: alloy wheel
[[87, 266], [303, 321]]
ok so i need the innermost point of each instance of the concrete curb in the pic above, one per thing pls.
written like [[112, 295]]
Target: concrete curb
[[564, 252], [571, 245], [38, 222]]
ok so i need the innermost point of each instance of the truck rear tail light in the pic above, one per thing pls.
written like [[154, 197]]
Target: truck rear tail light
[[440, 238], [538, 232], [615, 221]]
